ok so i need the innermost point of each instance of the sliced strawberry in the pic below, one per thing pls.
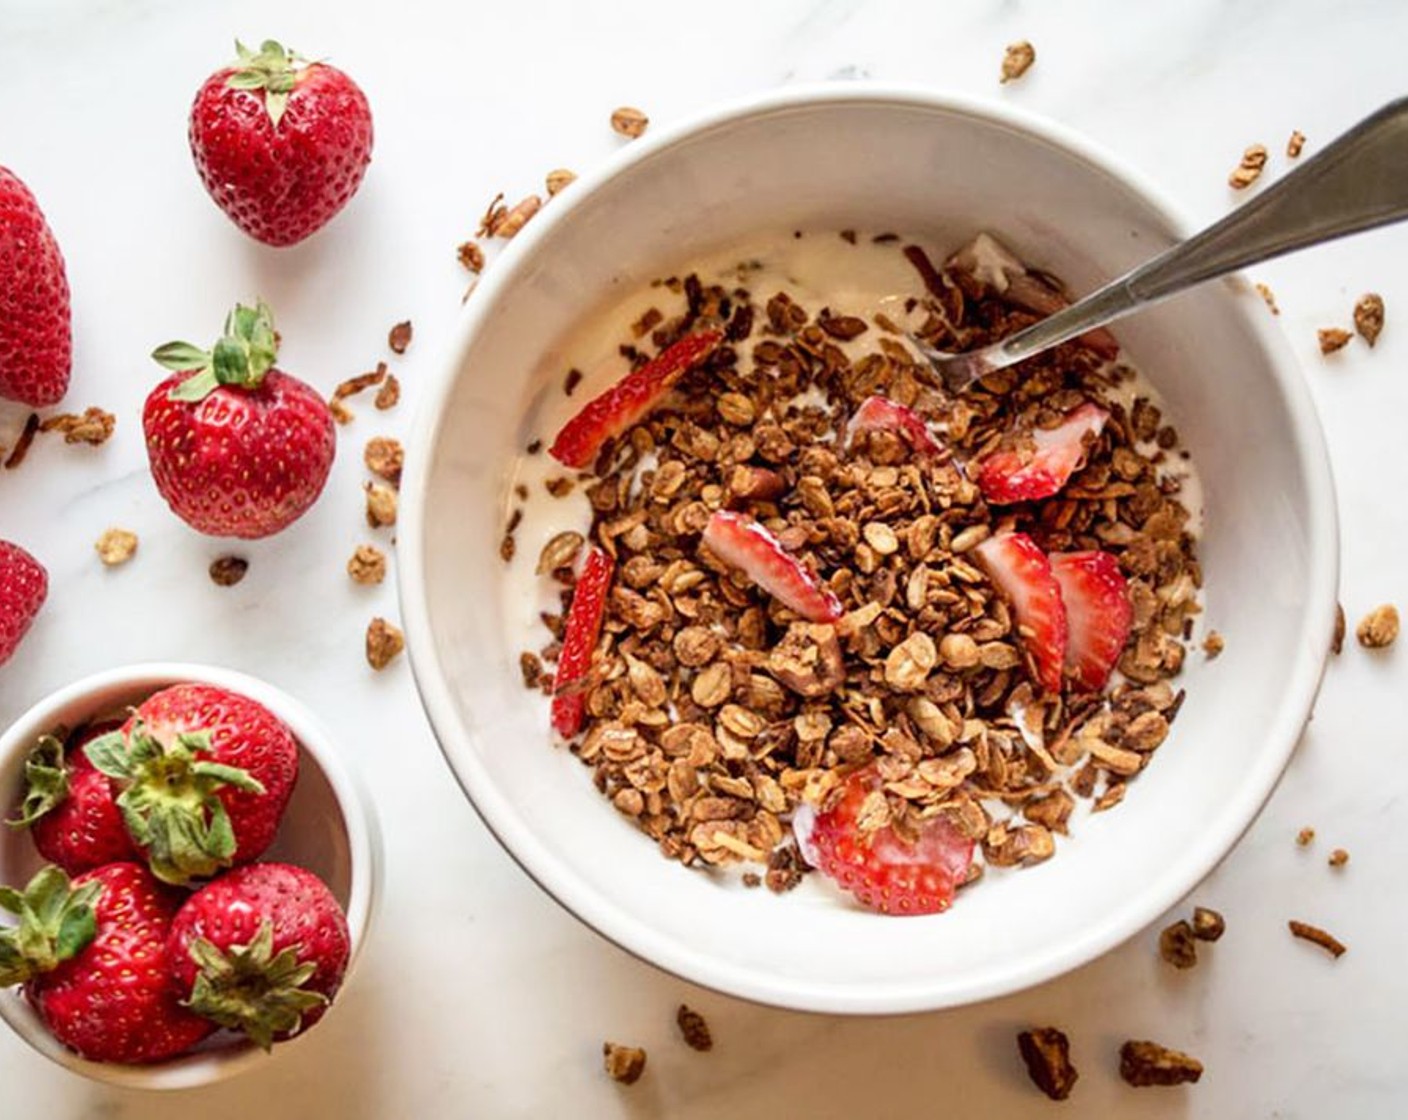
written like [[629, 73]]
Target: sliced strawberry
[[628, 400], [744, 544], [883, 414], [1023, 574], [1098, 614], [579, 642], [1016, 475], [882, 869]]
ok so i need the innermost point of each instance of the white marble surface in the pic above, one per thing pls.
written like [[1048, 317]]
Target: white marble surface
[[479, 996]]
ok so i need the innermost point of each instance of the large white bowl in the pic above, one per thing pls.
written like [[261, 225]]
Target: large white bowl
[[937, 168], [329, 828]]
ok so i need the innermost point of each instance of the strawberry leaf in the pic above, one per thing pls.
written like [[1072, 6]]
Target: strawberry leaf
[[46, 782], [181, 356], [57, 922], [243, 355]]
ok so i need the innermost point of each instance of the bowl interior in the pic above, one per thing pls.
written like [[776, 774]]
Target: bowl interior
[[937, 172]]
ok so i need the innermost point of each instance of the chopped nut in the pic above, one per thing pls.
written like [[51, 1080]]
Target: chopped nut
[[558, 179], [1332, 339], [518, 217], [1369, 316], [1270, 297], [367, 565], [1317, 936], [471, 256], [1017, 60], [384, 643], [389, 393], [1144, 1063], [93, 427], [1213, 644], [381, 505], [226, 571], [400, 337], [629, 122], [385, 457], [1339, 857], [1249, 170], [1295, 144], [1047, 1054], [1337, 640], [116, 546], [1378, 628], [623, 1063], [1305, 836], [1178, 946], [1208, 925], [694, 1029]]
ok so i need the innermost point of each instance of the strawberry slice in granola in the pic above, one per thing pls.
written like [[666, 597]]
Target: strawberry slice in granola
[[580, 633], [615, 410], [1018, 474], [883, 414], [1023, 574], [884, 870], [1098, 614], [742, 543]]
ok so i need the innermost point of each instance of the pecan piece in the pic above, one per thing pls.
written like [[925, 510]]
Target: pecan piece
[[1144, 1063], [1047, 1054]]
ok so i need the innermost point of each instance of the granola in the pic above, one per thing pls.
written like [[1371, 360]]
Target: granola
[[1046, 1052], [1144, 1063]]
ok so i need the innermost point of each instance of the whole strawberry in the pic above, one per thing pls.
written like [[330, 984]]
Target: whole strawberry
[[69, 806], [237, 448], [91, 954], [202, 776], [280, 143], [262, 950], [36, 344], [24, 585]]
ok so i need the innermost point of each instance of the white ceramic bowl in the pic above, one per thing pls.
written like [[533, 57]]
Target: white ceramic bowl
[[329, 828], [939, 169]]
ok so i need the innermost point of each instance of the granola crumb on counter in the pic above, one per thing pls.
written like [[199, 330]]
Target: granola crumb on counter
[[494, 213], [623, 1063], [694, 1029], [367, 565], [384, 643], [389, 393], [1337, 641], [1305, 836], [399, 337], [1213, 644], [471, 256], [1339, 857], [1178, 945], [22, 445], [384, 457], [381, 505], [629, 122], [1047, 1054], [116, 546], [1017, 60], [351, 387], [558, 179], [93, 426], [571, 381], [1369, 316], [1208, 924], [1296, 144], [1332, 339], [1249, 170], [1144, 1063], [1269, 296], [226, 571], [1317, 936], [518, 216], [1379, 628]]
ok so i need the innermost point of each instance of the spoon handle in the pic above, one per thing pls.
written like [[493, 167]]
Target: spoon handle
[[1358, 182]]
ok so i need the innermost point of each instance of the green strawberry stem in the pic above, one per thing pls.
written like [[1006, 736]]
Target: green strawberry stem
[[169, 800], [272, 69], [56, 923], [248, 988], [241, 357], [46, 782]]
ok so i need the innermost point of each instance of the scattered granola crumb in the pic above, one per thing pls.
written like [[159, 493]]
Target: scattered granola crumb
[[352, 386], [340, 412], [571, 381], [534, 446], [389, 393], [1269, 296], [507, 547], [1208, 925], [1144, 1063], [1213, 644], [381, 505], [1249, 170], [367, 565], [1318, 936], [1369, 316], [647, 322], [1305, 836], [93, 427], [531, 666], [1047, 1054], [694, 1029], [623, 1063], [385, 457], [471, 256], [1295, 144], [400, 337], [518, 217], [1332, 339], [848, 236], [384, 643], [560, 551], [1178, 946], [1017, 60], [226, 571], [494, 213], [1337, 641], [558, 179], [1378, 628], [752, 880], [21, 448], [1339, 857], [116, 546], [629, 122]]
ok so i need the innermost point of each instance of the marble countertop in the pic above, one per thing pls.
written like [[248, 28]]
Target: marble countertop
[[478, 996]]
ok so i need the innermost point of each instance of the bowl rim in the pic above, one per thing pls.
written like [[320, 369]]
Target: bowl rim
[[597, 910], [363, 843]]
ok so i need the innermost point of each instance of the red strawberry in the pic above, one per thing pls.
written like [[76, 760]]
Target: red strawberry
[[886, 415], [202, 776], [24, 585], [615, 410], [883, 870], [261, 950], [742, 543], [237, 448], [1098, 613], [1022, 573], [579, 642], [92, 957], [280, 143], [69, 806], [1022, 475], [36, 343]]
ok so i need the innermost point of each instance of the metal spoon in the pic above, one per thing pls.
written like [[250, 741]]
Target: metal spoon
[[1358, 182]]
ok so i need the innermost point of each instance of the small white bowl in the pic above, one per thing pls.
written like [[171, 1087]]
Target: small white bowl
[[329, 828], [937, 168]]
